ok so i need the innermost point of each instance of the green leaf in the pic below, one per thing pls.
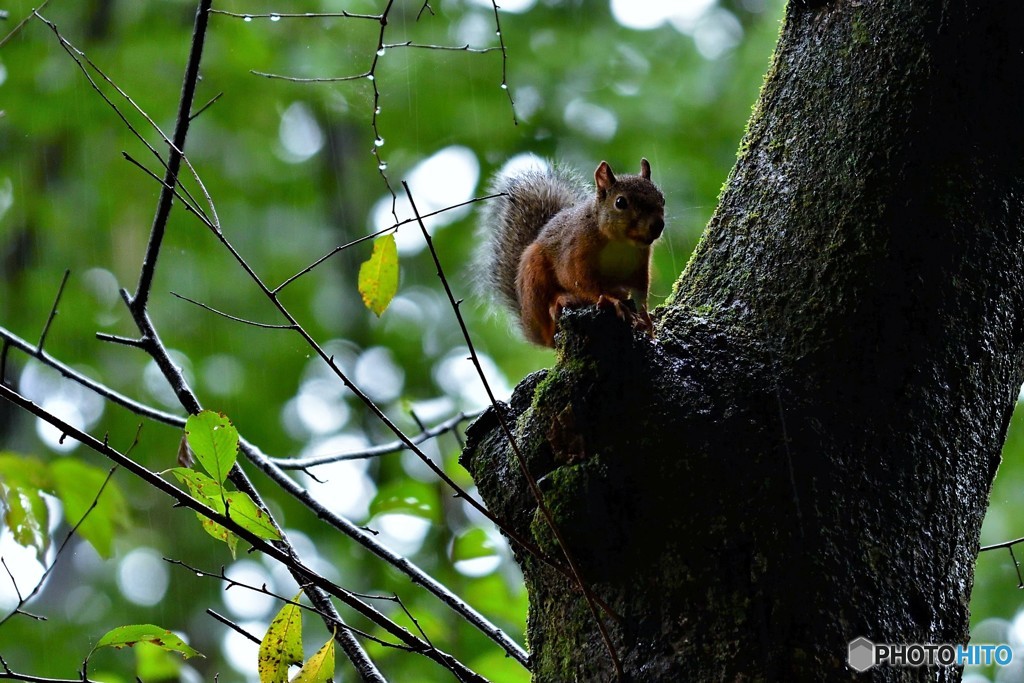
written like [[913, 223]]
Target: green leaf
[[128, 636], [153, 663], [282, 645], [320, 667], [23, 471], [242, 509], [214, 441], [77, 485], [378, 276], [203, 488], [28, 518], [25, 513], [409, 497], [471, 545], [212, 494]]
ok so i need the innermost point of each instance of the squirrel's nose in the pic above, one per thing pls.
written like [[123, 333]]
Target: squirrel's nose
[[657, 225]]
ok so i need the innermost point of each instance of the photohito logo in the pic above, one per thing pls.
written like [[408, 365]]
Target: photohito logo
[[864, 654]]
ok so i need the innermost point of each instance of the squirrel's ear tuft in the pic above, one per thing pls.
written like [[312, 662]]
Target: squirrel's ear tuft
[[645, 169], [604, 177]]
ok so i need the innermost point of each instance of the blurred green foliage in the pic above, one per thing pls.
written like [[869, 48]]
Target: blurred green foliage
[[292, 171]]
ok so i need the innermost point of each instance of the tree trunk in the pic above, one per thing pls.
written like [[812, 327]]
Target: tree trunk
[[804, 454]]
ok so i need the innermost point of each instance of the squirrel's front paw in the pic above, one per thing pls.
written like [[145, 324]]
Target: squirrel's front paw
[[642, 321], [610, 303]]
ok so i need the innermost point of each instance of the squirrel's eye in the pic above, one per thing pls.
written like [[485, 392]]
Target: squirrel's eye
[[621, 202]]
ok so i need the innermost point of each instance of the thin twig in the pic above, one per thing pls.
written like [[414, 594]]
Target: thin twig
[[274, 16], [370, 75], [1016, 566], [123, 341], [504, 62], [8, 674], [21, 24], [78, 55], [1004, 544], [514, 444], [53, 311], [374, 235], [318, 79], [206, 106], [12, 340], [451, 48], [252, 323], [374, 451], [378, 139], [263, 590], [232, 625], [137, 303], [187, 202], [4, 350]]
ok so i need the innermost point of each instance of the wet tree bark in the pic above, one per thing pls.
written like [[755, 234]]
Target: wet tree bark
[[804, 454]]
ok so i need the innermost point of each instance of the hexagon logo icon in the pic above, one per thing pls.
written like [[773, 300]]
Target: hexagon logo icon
[[862, 654]]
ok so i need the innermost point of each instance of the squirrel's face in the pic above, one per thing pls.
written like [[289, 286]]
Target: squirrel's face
[[634, 209]]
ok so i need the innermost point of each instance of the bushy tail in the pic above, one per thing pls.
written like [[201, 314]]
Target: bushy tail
[[510, 223]]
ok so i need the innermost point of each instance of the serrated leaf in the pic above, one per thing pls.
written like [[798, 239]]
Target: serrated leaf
[[471, 545], [127, 636], [282, 645], [212, 494], [378, 275], [202, 487], [242, 509], [77, 485], [214, 441], [407, 496], [320, 667]]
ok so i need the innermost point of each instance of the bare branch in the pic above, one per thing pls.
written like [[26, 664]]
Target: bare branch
[[141, 297], [376, 234], [53, 311], [206, 106], [12, 340], [21, 24], [78, 56], [504, 62], [263, 590], [187, 202], [232, 625], [319, 79], [253, 323], [451, 48], [274, 16], [374, 451]]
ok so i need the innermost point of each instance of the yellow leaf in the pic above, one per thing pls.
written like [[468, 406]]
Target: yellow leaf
[[378, 276], [320, 667], [282, 645]]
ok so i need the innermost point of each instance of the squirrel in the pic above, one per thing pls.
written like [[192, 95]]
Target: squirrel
[[552, 243]]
